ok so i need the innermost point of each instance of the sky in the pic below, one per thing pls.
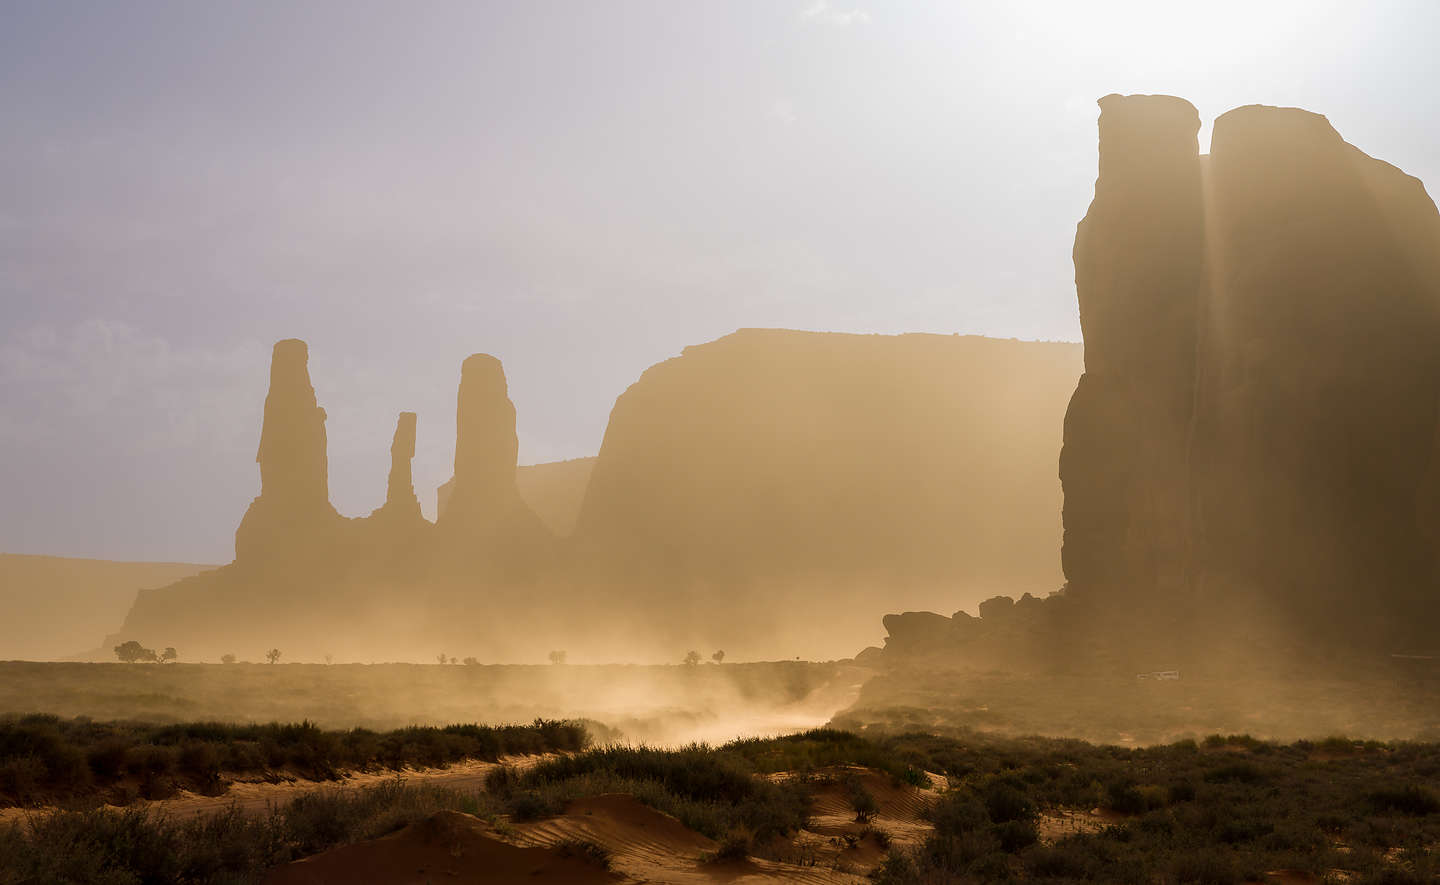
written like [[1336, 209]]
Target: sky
[[580, 188]]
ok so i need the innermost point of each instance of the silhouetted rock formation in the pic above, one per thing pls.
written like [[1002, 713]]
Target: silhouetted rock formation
[[400, 487], [912, 459], [485, 519], [1250, 459], [1138, 265], [1315, 418], [292, 514], [553, 489], [743, 487], [392, 544]]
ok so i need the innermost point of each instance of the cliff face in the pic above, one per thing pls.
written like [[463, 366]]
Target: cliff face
[[1138, 265], [772, 453], [1256, 426]]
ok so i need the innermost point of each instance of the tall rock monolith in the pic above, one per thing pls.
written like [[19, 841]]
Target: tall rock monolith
[[1316, 415], [1254, 441], [293, 513], [400, 499], [486, 522], [1139, 256]]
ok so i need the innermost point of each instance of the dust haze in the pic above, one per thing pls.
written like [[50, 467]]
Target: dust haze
[[831, 559], [1245, 498]]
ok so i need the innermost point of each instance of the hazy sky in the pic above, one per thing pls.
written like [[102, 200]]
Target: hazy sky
[[580, 188]]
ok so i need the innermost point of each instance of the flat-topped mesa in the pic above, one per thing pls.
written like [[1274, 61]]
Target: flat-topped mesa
[[400, 488], [294, 500], [484, 513], [1139, 263]]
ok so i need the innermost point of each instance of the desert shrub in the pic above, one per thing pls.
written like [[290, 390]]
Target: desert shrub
[[955, 854], [898, 868], [107, 758], [132, 846], [1057, 862], [502, 781], [825, 747], [46, 759], [590, 852], [1015, 835], [734, 846], [1235, 773], [1004, 803], [711, 791], [992, 868], [200, 760], [21, 778], [882, 837], [530, 805], [1205, 867], [1410, 799], [1181, 791], [958, 812], [1125, 797]]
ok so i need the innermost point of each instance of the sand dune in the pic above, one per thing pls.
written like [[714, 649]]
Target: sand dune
[[449, 847]]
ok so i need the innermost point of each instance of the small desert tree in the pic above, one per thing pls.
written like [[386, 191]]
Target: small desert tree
[[860, 799], [169, 654], [557, 657], [442, 658], [692, 658], [470, 662], [227, 659], [132, 651], [272, 655], [328, 658], [719, 656]]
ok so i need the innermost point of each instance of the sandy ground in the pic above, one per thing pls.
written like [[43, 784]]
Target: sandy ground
[[447, 847]]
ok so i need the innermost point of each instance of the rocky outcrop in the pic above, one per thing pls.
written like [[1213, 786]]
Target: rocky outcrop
[[400, 487], [486, 522], [394, 543], [292, 516], [1259, 409]]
